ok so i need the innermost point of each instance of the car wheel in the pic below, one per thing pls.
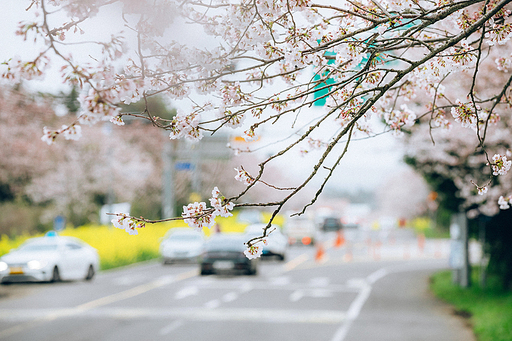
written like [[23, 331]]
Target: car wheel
[[55, 275], [90, 273], [204, 273]]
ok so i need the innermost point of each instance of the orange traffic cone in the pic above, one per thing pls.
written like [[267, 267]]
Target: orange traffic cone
[[340, 239], [319, 252]]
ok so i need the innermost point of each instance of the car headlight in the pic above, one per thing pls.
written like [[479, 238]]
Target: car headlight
[[36, 265], [3, 266]]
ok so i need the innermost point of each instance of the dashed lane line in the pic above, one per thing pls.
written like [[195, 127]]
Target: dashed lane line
[[182, 314]]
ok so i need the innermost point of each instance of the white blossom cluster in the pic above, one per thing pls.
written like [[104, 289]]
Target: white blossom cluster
[[128, 224], [197, 215]]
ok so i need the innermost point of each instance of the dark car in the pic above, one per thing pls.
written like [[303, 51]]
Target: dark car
[[331, 224], [224, 253]]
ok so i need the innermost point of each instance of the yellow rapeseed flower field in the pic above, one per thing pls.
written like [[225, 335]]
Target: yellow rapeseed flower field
[[118, 248]]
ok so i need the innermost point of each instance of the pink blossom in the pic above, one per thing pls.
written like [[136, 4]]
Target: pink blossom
[[197, 216], [504, 202], [117, 120], [128, 224], [48, 136], [253, 251], [482, 190], [220, 204], [243, 176], [500, 165], [74, 132]]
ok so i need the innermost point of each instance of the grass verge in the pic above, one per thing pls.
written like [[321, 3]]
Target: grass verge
[[488, 309]]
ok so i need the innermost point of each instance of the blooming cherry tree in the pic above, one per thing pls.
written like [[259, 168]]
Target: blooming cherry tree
[[268, 62]]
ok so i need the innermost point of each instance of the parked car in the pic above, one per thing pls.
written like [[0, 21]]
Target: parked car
[[277, 241], [300, 230], [224, 253], [181, 245], [331, 224], [50, 258]]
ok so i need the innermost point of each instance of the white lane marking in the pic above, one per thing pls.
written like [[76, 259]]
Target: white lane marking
[[212, 304], [352, 313], [280, 281], [230, 296], [127, 280], [296, 295], [135, 291], [185, 292], [374, 277], [184, 314], [358, 303], [320, 293], [171, 327], [315, 293], [246, 287], [319, 281]]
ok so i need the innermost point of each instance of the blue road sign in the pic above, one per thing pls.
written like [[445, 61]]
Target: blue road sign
[[183, 166], [59, 223]]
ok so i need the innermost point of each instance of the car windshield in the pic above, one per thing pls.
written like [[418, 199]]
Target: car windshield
[[35, 247], [226, 244]]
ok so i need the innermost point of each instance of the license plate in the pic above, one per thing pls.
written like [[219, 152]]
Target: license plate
[[16, 270], [223, 265]]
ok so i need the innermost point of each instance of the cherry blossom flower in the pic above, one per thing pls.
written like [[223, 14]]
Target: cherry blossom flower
[[465, 115], [482, 190], [128, 224], [73, 132], [220, 204], [49, 136], [504, 202], [500, 165], [187, 126], [253, 251], [117, 120], [243, 176], [197, 216], [249, 135]]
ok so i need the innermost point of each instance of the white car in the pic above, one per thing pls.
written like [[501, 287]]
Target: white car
[[300, 230], [50, 258], [181, 244], [277, 241]]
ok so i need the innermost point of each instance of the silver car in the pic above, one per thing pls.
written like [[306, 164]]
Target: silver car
[[181, 244], [49, 258], [277, 242]]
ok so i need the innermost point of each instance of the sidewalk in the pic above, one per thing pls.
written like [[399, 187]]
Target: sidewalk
[[401, 308]]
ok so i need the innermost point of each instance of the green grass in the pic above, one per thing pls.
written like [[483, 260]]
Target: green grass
[[490, 308]]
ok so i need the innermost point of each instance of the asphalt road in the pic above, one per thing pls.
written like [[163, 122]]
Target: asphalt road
[[373, 287]]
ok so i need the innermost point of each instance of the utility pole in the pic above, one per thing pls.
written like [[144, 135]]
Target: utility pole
[[168, 159], [459, 250]]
